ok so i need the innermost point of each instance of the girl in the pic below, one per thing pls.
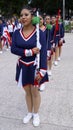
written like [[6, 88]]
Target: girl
[[24, 45], [43, 28], [49, 50]]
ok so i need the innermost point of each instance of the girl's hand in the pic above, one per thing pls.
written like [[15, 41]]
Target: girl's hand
[[38, 77], [35, 50]]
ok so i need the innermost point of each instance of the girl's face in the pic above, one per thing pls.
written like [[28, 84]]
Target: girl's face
[[47, 20], [26, 17], [53, 20], [0, 21], [41, 21]]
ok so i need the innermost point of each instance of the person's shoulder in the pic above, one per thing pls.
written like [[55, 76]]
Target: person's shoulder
[[41, 32], [16, 31]]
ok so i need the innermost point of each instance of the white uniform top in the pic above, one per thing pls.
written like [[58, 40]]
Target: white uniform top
[[10, 28]]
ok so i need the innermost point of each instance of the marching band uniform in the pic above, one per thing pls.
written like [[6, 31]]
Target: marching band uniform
[[22, 46], [50, 49], [47, 34], [49, 43], [62, 31], [56, 35], [56, 38], [61, 38], [6, 37], [1, 33], [45, 78]]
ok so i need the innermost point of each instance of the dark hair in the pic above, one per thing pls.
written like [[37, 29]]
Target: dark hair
[[1, 18], [47, 15], [53, 16], [40, 14], [28, 8]]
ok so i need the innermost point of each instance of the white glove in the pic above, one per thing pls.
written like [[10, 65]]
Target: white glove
[[48, 53]]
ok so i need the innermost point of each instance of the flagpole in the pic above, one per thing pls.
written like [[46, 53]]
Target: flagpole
[[29, 2], [63, 10]]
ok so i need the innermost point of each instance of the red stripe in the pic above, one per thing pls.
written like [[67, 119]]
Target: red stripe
[[28, 35]]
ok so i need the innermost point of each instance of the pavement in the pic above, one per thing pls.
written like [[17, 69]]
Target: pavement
[[56, 110]]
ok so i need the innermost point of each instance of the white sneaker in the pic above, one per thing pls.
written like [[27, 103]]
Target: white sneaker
[[59, 58], [36, 120], [1, 52], [49, 73], [7, 49], [56, 63], [27, 118], [42, 87]]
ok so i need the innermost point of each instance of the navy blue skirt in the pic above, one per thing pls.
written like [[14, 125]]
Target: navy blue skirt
[[28, 74]]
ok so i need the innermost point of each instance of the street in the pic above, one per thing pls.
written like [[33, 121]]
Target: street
[[56, 110]]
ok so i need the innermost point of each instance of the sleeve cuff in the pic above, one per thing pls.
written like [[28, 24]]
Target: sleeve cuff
[[51, 41], [62, 39], [42, 72], [48, 53], [28, 52]]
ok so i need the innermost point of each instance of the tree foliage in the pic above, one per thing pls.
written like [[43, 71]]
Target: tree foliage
[[11, 7]]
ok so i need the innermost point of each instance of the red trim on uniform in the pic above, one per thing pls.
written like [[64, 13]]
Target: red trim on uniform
[[52, 52], [26, 63], [42, 69], [32, 52], [29, 34], [40, 75], [49, 58], [35, 83]]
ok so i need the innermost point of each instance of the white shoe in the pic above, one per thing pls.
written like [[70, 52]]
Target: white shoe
[[49, 73], [1, 52], [56, 63], [59, 58], [42, 87], [36, 120], [27, 118], [7, 49]]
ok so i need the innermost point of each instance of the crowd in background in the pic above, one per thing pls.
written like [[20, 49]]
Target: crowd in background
[[7, 27]]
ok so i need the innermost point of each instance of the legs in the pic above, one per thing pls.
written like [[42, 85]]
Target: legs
[[0, 46], [60, 51], [49, 66], [36, 98], [33, 100], [28, 98], [56, 55]]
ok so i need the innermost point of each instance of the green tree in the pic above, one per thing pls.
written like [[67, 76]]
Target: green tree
[[10, 7]]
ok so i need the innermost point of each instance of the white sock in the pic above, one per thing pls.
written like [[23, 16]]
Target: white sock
[[30, 113], [35, 114]]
